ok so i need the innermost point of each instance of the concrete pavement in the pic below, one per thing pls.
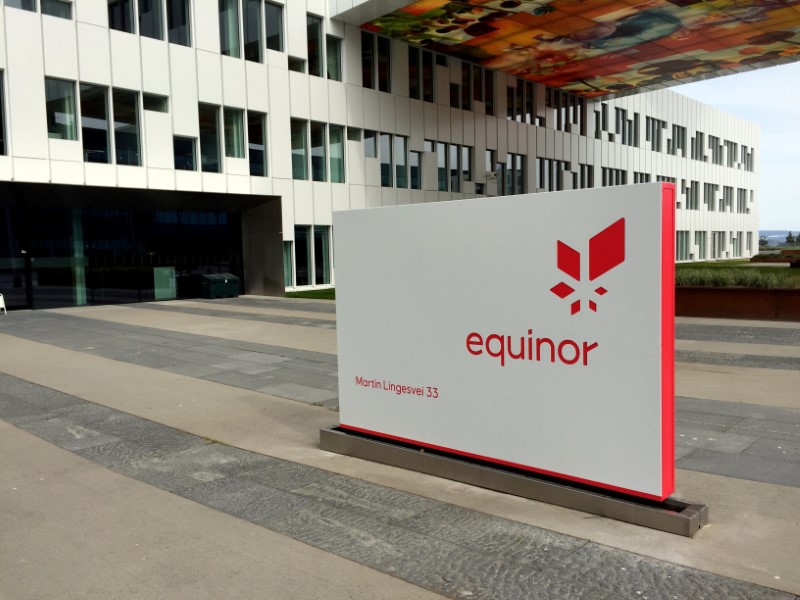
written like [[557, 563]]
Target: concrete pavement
[[257, 374]]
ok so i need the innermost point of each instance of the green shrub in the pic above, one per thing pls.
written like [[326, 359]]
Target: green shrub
[[742, 277]]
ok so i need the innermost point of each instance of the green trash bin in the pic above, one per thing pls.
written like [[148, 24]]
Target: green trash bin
[[211, 285], [230, 285]]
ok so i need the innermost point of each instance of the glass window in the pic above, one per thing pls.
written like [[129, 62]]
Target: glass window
[[57, 8], [60, 103], [414, 160], [257, 142], [297, 64], [466, 85], [273, 18], [477, 83], [94, 123], [488, 91], [319, 152], [413, 72], [441, 163], [314, 40], [302, 254], [336, 143], [353, 134], [120, 15], [519, 174], [386, 159], [3, 149], [23, 4], [400, 161], [367, 60], [252, 30], [334, 52], [184, 149], [229, 27], [370, 144], [126, 127], [151, 19], [384, 64], [299, 150], [288, 280], [234, 132], [155, 103], [178, 24], [509, 174], [466, 163], [455, 171], [209, 138], [322, 245], [427, 76]]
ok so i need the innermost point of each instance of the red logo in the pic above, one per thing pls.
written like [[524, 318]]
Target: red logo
[[606, 251]]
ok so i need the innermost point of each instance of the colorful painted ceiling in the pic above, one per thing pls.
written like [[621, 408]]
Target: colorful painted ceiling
[[599, 47]]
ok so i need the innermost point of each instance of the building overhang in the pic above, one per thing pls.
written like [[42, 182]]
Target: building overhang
[[594, 48]]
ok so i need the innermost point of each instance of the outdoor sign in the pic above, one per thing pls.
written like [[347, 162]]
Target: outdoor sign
[[533, 331]]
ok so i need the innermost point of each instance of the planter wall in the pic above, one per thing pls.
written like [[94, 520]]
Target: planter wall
[[738, 303]]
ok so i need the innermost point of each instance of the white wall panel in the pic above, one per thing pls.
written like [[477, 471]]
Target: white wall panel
[[299, 100], [31, 169], [234, 86], [209, 77], [183, 76], [125, 62], [92, 11], [318, 99], [215, 182], [94, 60], [295, 22], [257, 86], [100, 175], [161, 179], [60, 48], [303, 202], [205, 26], [323, 199], [158, 140], [279, 124], [65, 172], [66, 150], [131, 177], [188, 181], [24, 82], [337, 102]]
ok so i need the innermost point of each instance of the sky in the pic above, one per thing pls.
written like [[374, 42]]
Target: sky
[[771, 98]]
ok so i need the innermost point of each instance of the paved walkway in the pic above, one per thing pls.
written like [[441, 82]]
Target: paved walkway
[[170, 450]]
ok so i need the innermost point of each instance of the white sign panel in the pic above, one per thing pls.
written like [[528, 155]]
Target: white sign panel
[[534, 331]]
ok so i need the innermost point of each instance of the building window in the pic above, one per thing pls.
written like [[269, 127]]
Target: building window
[[57, 8], [252, 30], [314, 41], [466, 85], [441, 166], [386, 159], [455, 170], [353, 134], [234, 132], [401, 161], [370, 144], [229, 27], [3, 149], [333, 47], [297, 64], [466, 163], [700, 240], [319, 152], [23, 4], [299, 149], [376, 62], [151, 19], [209, 138], [682, 245], [120, 15], [155, 103], [428, 77], [302, 255], [288, 261], [257, 143], [184, 150], [367, 60], [414, 73], [514, 174], [273, 18], [60, 103], [178, 23], [488, 92], [414, 162], [322, 251], [126, 127], [336, 143], [94, 123]]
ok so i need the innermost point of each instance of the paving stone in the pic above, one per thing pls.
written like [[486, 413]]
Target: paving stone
[[296, 391], [743, 466], [282, 474], [66, 433], [775, 450], [738, 360], [744, 335], [702, 419], [241, 380], [713, 440], [681, 451], [742, 410], [193, 370], [770, 429], [634, 576], [259, 358]]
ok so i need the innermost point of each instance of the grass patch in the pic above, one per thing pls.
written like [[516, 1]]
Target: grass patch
[[757, 277], [327, 294]]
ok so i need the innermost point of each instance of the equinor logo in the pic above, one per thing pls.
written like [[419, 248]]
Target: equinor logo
[[606, 251]]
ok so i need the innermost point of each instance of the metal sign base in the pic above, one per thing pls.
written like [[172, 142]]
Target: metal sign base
[[672, 515]]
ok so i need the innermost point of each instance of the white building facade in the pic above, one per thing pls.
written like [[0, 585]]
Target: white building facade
[[137, 135]]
